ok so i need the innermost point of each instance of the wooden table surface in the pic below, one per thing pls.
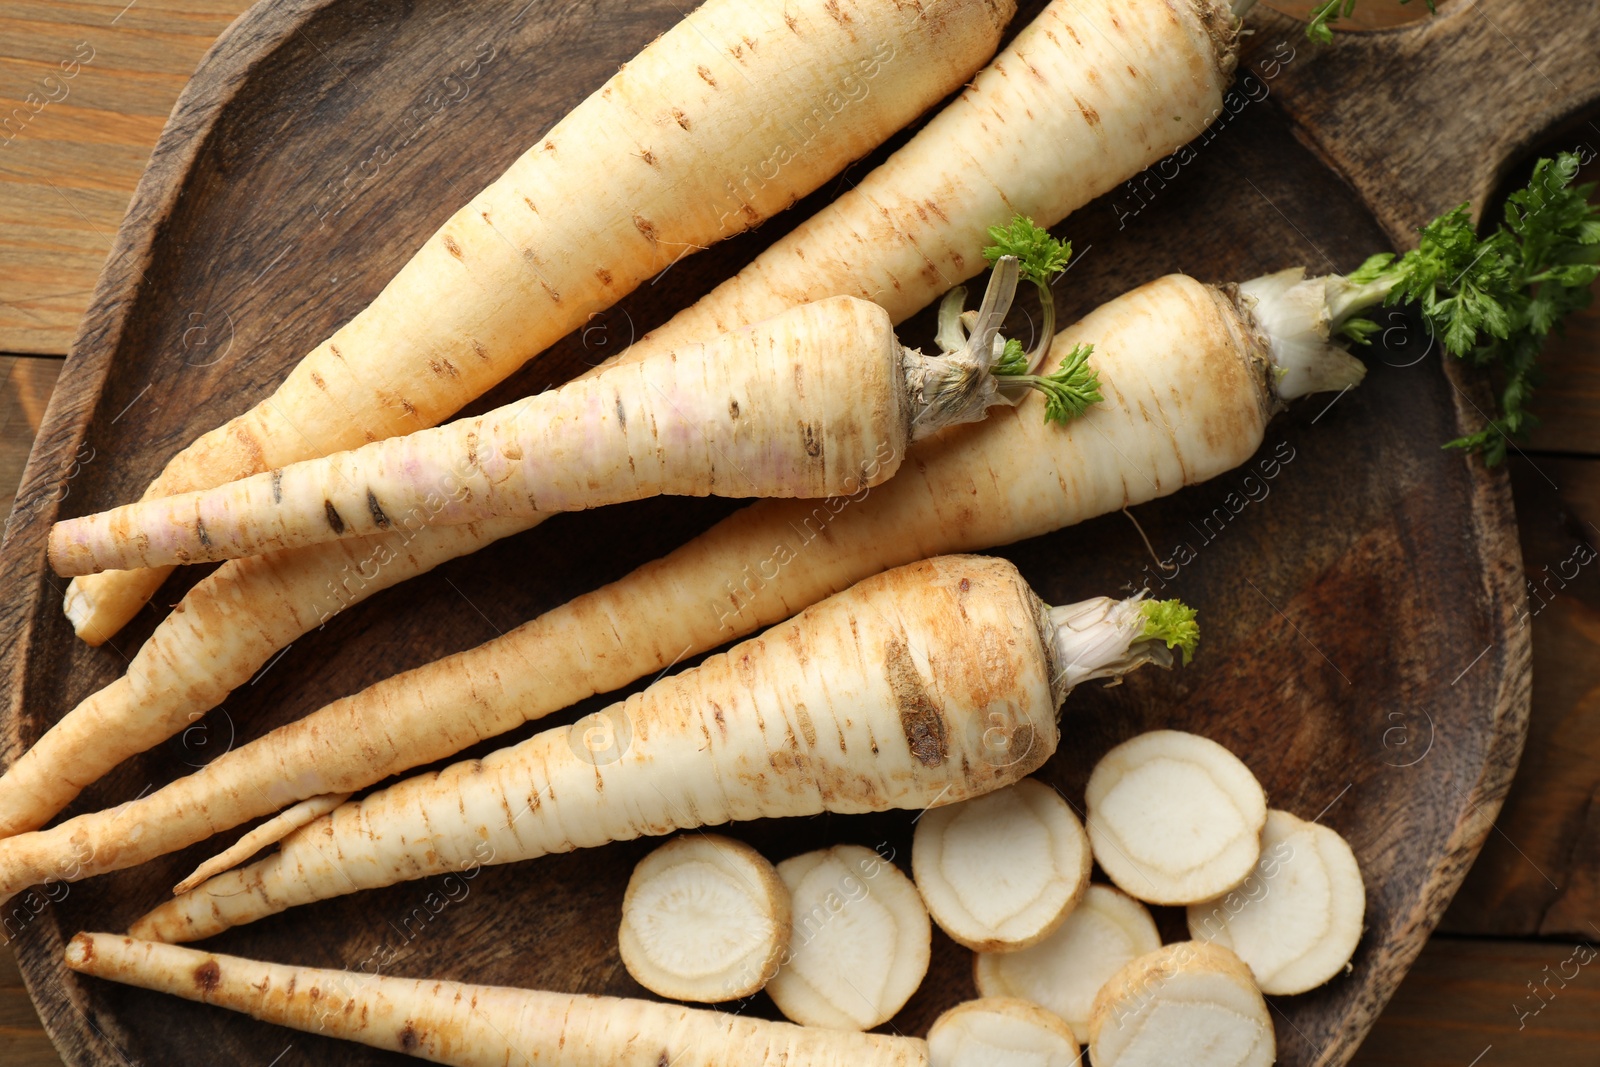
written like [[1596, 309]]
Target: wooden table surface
[[1512, 976]]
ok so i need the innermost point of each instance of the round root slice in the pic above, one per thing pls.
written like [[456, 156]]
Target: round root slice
[[1002, 870], [706, 918], [1191, 1003], [1175, 818], [1296, 920], [860, 944], [1065, 970], [1000, 1032]]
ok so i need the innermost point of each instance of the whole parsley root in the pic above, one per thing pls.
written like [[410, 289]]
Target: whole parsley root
[[466, 1025], [828, 712], [820, 400], [651, 166]]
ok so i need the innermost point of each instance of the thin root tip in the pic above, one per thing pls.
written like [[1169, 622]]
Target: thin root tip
[[80, 950]]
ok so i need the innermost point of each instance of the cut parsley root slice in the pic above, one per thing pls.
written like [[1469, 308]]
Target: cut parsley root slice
[[1175, 818], [1191, 1003], [1063, 972], [1000, 1032], [860, 944], [705, 919], [1001, 871], [1296, 920]]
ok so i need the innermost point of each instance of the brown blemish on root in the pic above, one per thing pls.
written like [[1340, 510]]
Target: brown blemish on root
[[812, 444], [705, 76], [603, 274], [1090, 115], [920, 718], [683, 120], [451, 246], [789, 21], [277, 486], [733, 409], [335, 523], [645, 227], [208, 976], [200, 532], [409, 1041], [316, 380], [649, 157], [808, 729], [834, 12], [376, 509]]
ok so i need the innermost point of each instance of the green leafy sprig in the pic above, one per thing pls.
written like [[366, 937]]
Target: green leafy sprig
[[1172, 622], [1493, 300], [1068, 392], [1040, 256], [1074, 385], [1319, 25]]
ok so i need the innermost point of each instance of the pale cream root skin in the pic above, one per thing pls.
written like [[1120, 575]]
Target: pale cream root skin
[[1001, 1032], [861, 941], [1000, 872], [810, 403], [1297, 919], [705, 918], [1174, 818], [1063, 972], [1189, 1003], [270, 832], [721, 122], [1185, 401], [1086, 96], [844, 709], [226, 629], [480, 1026]]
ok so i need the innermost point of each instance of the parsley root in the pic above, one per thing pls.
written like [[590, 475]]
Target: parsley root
[[927, 684], [651, 166], [481, 1026]]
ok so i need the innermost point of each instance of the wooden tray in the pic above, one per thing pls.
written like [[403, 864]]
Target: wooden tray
[[1363, 649]]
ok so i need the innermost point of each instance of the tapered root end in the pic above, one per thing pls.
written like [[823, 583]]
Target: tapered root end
[[80, 952], [99, 605], [1291, 312]]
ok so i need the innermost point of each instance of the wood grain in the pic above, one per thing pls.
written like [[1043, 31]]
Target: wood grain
[[1473, 1003], [25, 387], [71, 156], [1539, 872], [1422, 117]]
